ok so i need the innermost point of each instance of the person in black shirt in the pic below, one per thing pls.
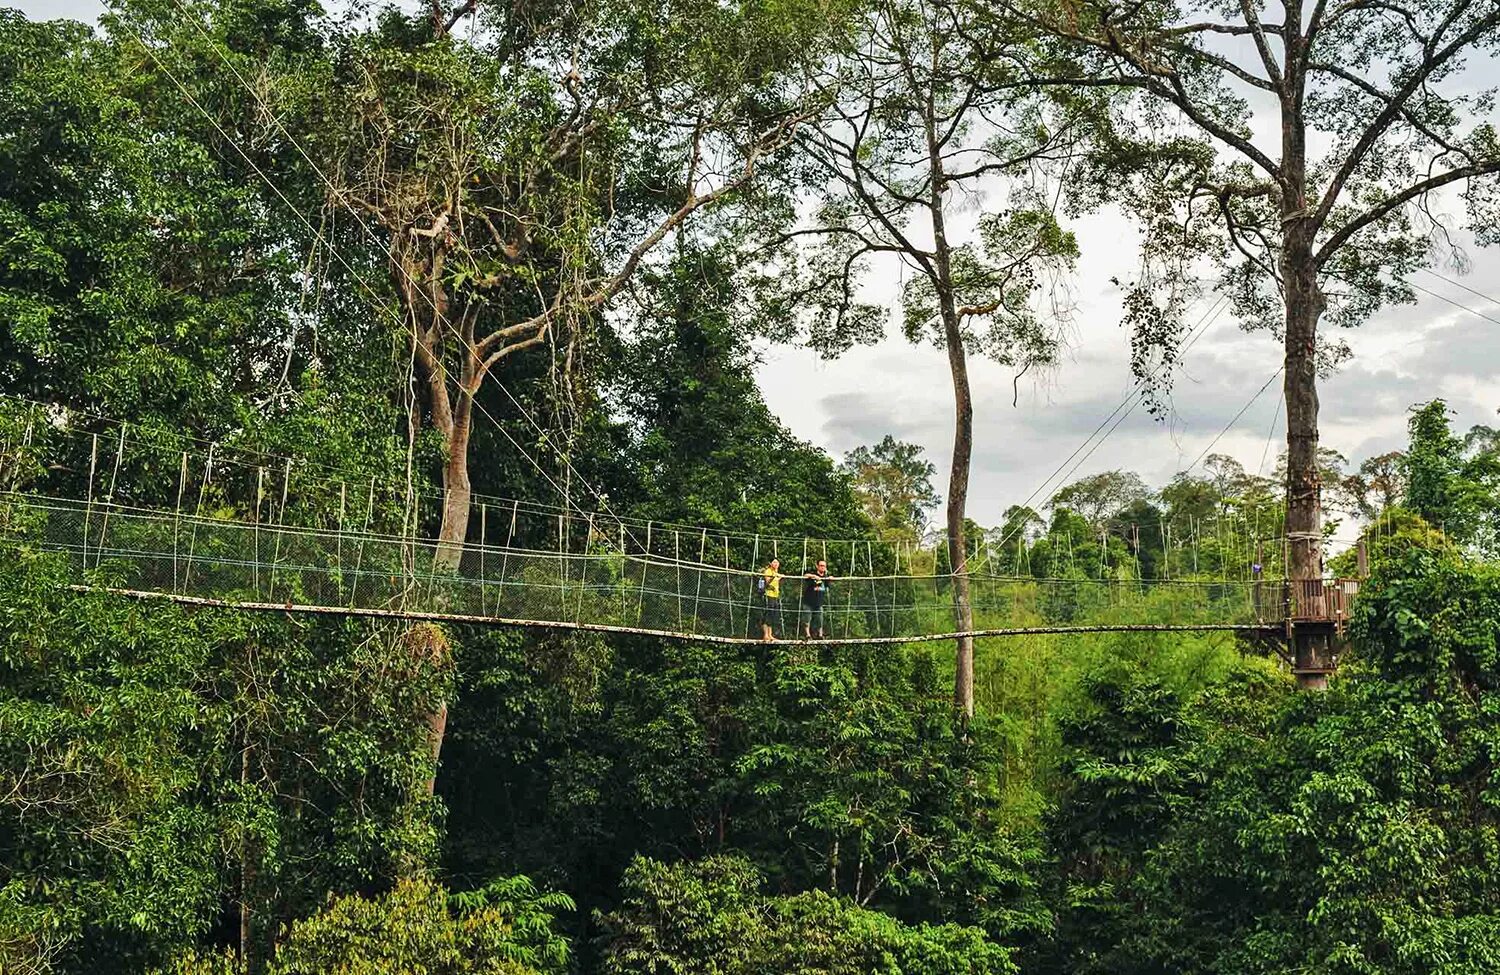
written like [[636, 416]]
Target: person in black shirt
[[814, 593]]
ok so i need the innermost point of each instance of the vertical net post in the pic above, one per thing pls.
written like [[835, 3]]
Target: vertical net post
[[359, 556], [1218, 531], [874, 592], [562, 565], [624, 572], [750, 596], [698, 589], [208, 469], [88, 510], [640, 604], [484, 537], [583, 575], [677, 559], [729, 591], [1166, 549], [849, 599], [109, 498], [510, 541], [338, 545], [286, 482], [177, 525], [260, 477], [896, 579]]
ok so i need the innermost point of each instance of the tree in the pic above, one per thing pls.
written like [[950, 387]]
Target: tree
[[700, 440], [1452, 488], [893, 482], [504, 175], [1125, 766], [1101, 495], [142, 276], [1309, 846], [514, 183], [918, 120], [709, 915], [1296, 235], [1378, 484], [418, 928], [160, 766]]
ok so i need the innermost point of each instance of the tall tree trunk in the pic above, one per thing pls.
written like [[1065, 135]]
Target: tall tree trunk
[[248, 957], [963, 426], [453, 418], [452, 533], [1304, 307], [958, 496], [1304, 513], [457, 497]]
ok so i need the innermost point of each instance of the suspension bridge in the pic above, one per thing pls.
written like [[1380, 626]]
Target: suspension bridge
[[141, 518]]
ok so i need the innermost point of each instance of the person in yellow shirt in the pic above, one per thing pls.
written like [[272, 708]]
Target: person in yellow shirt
[[769, 585]]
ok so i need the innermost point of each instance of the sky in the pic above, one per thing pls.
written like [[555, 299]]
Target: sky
[[1404, 355]]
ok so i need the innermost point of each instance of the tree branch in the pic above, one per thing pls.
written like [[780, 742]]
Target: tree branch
[[1396, 105], [1273, 70], [1387, 207]]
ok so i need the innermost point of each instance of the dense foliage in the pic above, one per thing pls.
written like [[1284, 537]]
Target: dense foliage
[[535, 251]]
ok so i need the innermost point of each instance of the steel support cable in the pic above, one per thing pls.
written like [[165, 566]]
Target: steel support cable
[[1236, 418], [1458, 304], [1131, 400]]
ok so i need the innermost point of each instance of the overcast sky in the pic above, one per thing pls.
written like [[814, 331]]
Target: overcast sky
[[1404, 355]]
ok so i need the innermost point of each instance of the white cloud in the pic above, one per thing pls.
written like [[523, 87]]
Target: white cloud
[[1405, 355]]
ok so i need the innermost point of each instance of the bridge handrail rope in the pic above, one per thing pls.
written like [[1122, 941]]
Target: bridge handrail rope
[[212, 464], [397, 577], [217, 450], [751, 570]]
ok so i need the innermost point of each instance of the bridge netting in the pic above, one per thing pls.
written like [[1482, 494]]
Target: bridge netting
[[238, 562], [151, 514]]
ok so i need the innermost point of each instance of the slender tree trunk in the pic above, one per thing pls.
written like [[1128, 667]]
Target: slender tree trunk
[[436, 722], [958, 496], [453, 417], [963, 426]]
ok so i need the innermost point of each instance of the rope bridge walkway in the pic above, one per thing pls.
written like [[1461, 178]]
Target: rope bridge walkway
[[220, 561], [153, 514]]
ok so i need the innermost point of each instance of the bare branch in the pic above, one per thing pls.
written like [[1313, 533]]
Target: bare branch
[[1273, 70]]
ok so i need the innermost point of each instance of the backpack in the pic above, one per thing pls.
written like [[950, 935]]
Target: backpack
[[760, 585]]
